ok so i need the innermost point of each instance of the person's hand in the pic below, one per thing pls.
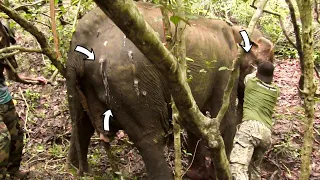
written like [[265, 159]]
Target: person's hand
[[41, 80], [254, 67]]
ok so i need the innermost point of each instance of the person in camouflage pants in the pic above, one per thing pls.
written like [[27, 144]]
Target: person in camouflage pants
[[11, 133], [11, 139], [253, 136]]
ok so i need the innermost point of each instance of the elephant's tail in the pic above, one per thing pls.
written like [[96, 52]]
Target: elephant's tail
[[75, 107]]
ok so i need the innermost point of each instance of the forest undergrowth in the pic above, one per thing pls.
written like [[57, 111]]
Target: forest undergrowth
[[44, 111]]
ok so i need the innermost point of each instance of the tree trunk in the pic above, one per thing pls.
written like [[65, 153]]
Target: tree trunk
[[180, 54], [305, 8], [177, 149]]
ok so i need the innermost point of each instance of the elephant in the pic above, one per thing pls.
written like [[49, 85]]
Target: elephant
[[201, 169], [123, 80]]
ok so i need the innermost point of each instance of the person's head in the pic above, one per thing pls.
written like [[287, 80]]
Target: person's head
[[265, 71]]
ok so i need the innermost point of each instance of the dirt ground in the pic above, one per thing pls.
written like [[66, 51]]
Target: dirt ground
[[44, 111]]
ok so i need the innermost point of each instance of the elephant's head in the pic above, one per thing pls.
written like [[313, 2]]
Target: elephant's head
[[262, 50], [5, 40]]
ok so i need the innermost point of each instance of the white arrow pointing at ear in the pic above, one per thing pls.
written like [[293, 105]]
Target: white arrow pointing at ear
[[247, 45], [107, 115], [86, 52]]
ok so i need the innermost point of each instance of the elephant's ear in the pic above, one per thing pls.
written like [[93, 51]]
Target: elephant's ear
[[263, 50]]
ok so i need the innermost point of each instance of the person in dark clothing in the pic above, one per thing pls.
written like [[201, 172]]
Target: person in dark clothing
[[11, 133]]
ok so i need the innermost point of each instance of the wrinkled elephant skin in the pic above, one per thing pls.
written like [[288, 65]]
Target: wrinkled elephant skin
[[123, 80]]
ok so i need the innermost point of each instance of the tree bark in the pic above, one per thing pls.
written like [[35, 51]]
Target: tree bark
[[180, 53], [177, 148], [166, 24], [305, 9], [55, 34], [5, 52], [298, 42]]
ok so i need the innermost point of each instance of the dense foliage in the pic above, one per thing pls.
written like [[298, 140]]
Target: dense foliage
[[232, 11]]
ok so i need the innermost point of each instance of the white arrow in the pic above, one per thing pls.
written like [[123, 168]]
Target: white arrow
[[86, 52], [247, 45], [107, 115]]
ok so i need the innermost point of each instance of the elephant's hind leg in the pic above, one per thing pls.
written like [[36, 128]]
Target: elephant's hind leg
[[86, 130], [154, 159], [148, 136]]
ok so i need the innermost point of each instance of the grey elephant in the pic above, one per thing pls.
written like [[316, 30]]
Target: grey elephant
[[122, 80]]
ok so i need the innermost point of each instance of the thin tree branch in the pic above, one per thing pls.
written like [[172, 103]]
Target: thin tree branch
[[27, 113], [180, 54], [37, 34], [317, 72], [42, 24], [16, 50], [76, 15], [166, 24], [3, 56], [19, 48], [296, 31], [281, 24], [25, 8], [316, 10], [193, 156], [55, 36]]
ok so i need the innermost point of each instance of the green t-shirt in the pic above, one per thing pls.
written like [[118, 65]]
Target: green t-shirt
[[259, 100]]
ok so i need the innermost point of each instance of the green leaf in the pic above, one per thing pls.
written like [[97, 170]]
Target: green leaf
[[176, 19], [223, 68], [189, 59], [202, 71], [185, 152]]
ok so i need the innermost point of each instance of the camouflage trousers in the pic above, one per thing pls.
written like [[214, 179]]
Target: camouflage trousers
[[11, 139], [251, 141]]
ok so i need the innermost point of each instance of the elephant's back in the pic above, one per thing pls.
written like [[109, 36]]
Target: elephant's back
[[129, 77], [211, 45], [209, 42]]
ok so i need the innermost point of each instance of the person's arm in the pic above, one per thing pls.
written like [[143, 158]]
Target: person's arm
[[251, 75], [22, 79]]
